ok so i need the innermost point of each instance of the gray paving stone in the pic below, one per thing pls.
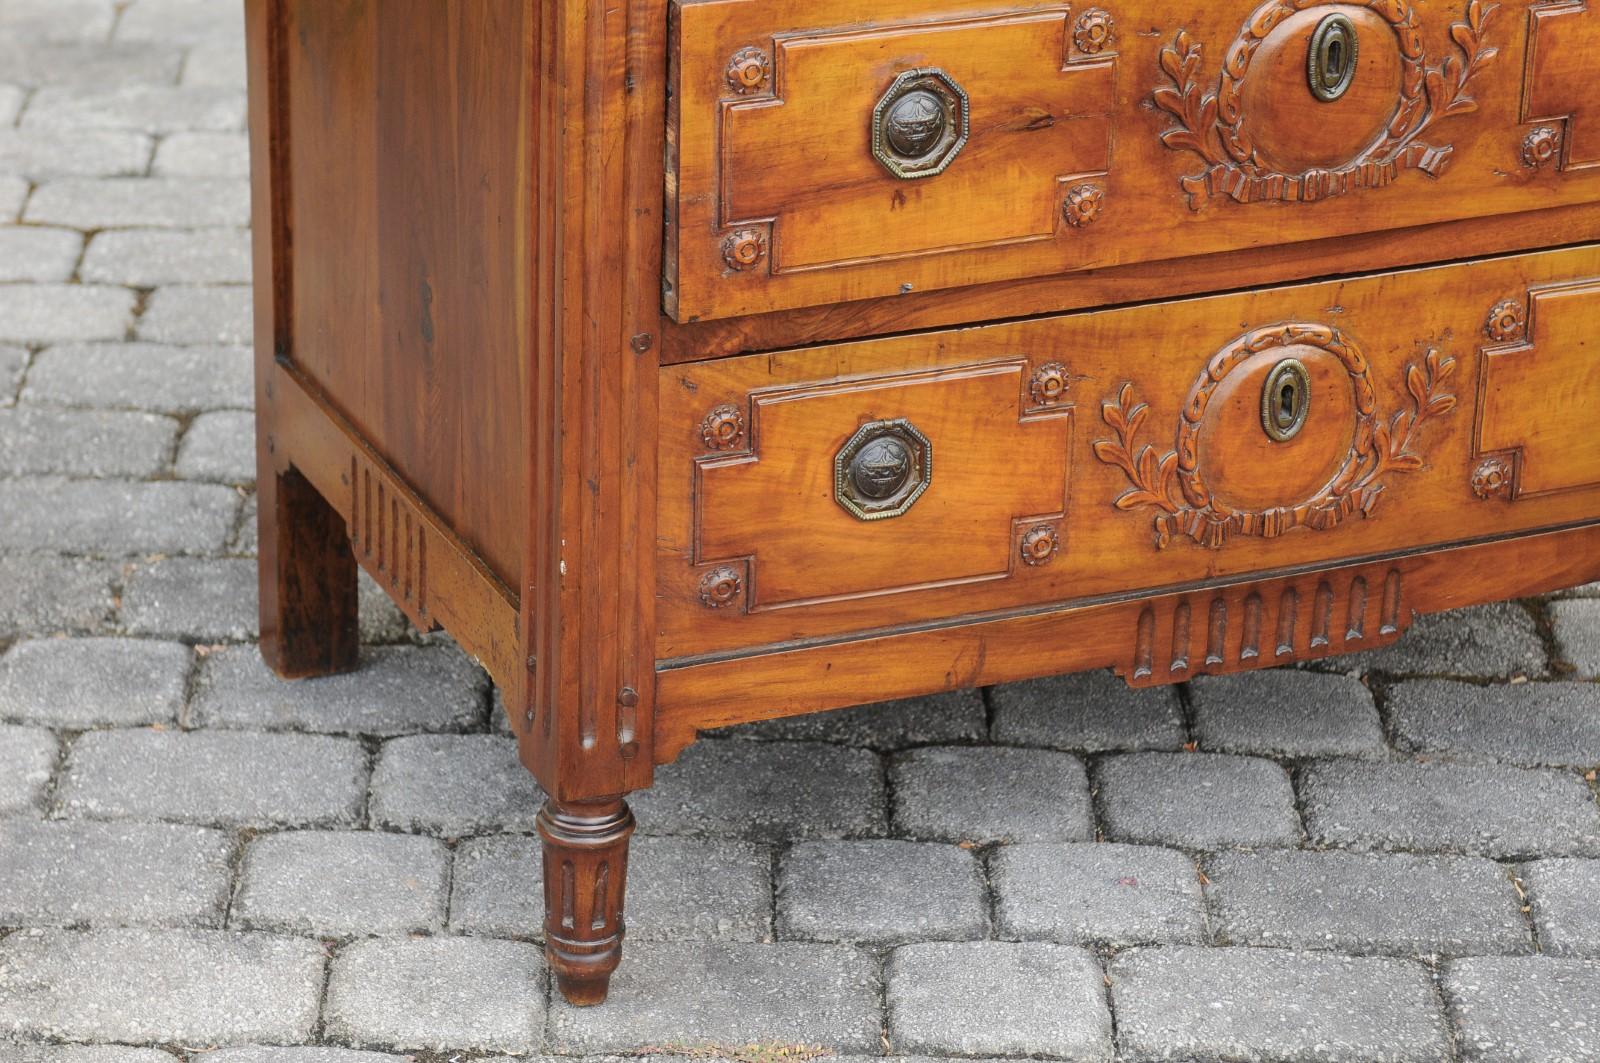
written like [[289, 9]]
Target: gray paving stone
[[93, 64], [83, 20], [984, 794], [13, 361], [82, 683], [291, 1054], [197, 599], [27, 760], [43, 154], [679, 889], [457, 993], [897, 892], [1196, 800], [1117, 895], [1186, 1003], [202, 155], [154, 109], [1577, 631], [729, 994], [957, 716], [1487, 810], [14, 192], [398, 690], [214, 777], [38, 1053], [1533, 724], [11, 98], [115, 517], [1525, 1008], [143, 376], [1486, 642], [216, 61], [113, 874], [58, 313], [190, 987], [1563, 896], [220, 447], [122, 202], [453, 785], [766, 791], [40, 441], [1391, 903], [44, 594], [332, 884], [245, 542], [149, 258], [35, 255], [198, 315], [1092, 711], [184, 21], [1286, 713], [991, 998]]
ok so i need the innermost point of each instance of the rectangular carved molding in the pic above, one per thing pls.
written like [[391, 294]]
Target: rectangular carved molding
[[387, 531]]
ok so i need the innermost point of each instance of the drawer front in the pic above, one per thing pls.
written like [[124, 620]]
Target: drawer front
[[913, 480], [817, 158]]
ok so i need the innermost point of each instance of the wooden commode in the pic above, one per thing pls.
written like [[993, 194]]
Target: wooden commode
[[711, 361]]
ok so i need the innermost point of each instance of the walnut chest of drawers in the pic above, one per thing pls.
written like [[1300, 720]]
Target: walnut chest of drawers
[[709, 361]]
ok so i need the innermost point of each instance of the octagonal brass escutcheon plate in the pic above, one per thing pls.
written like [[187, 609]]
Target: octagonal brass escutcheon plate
[[921, 124], [882, 470]]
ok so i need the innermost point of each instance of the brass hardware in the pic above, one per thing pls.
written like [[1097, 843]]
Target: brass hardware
[[1286, 400], [882, 470], [920, 124], [1332, 61]]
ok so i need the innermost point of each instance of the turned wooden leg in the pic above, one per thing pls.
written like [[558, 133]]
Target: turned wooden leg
[[309, 622], [585, 877]]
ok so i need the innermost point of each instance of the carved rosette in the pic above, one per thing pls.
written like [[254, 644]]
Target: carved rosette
[[721, 587], [1508, 322], [1094, 31], [1542, 146], [1049, 384], [749, 71], [1494, 478], [1084, 205], [1212, 125], [723, 428], [1173, 484], [1040, 545], [743, 249]]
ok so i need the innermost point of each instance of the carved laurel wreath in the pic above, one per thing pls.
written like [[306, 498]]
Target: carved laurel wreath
[[1172, 483], [1212, 124]]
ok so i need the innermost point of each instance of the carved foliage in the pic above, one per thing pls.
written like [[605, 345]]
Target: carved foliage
[[1172, 483], [1211, 125]]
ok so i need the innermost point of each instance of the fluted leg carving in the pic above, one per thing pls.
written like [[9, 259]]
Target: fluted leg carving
[[585, 878]]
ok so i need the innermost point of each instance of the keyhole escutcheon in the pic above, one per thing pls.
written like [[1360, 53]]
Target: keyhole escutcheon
[[1332, 60], [1286, 400]]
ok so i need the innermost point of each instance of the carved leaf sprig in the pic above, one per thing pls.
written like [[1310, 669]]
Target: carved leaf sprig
[[1392, 442], [1447, 85], [1187, 101], [1150, 474]]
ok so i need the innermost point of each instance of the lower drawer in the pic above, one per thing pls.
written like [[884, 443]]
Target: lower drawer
[[902, 482]]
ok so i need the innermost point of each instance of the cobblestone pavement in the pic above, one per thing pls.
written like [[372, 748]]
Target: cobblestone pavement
[[1394, 858]]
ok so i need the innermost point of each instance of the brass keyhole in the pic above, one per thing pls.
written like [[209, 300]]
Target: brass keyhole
[[1286, 400], [1332, 61]]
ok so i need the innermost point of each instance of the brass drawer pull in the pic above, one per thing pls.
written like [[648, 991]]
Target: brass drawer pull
[[882, 470], [1332, 59], [1286, 400], [921, 124]]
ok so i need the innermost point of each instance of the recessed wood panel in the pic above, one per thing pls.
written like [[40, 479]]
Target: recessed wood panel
[[1102, 135]]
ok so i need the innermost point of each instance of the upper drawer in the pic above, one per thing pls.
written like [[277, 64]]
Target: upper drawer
[[817, 157]]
